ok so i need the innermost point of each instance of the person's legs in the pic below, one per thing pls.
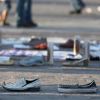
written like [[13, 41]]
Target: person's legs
[[28, 14], [20, 12], [81, 3], [78, 6], [0, 19], [5, 12], [4, 17], [8, 4]]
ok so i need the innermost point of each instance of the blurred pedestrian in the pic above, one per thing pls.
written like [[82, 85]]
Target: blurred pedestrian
[[24, 13], [5, 6], [78, 6]]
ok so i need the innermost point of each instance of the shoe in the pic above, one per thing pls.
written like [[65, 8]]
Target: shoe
[[30, 61], [4, 24], [20, 25], [71, 56], [76, 11], [27, 25], [23, 85], [38, 43], [31, 24], [68, 44], [87, 88]]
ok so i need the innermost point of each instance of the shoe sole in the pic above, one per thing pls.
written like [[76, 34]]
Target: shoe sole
[[33, 89], [87, 90]]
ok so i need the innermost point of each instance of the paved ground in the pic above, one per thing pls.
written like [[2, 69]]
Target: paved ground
[[50, 77], [53, 19], [47, 97]]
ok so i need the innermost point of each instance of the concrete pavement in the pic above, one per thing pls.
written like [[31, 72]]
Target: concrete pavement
[[46, 97], [50, 77], [54, 20]]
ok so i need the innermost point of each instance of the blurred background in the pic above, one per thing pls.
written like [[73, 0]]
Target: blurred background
[[55, 13]]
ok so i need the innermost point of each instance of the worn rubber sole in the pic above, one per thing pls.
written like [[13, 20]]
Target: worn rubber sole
[[33, 89], [87, 90]]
